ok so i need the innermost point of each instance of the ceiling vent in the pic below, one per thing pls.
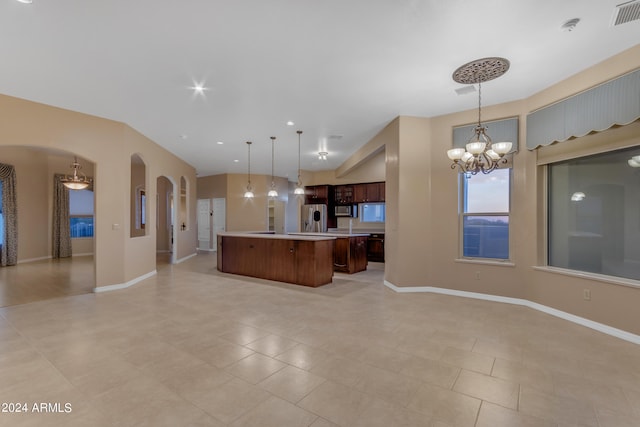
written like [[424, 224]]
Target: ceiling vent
[[626, 12], [465, 90]]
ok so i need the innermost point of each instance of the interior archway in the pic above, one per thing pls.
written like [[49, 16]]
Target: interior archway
[[37, 275]]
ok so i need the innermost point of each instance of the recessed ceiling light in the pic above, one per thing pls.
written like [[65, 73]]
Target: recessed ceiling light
[[26, 1], [183, 136], [290, 123], [219, 142], [236, 161]]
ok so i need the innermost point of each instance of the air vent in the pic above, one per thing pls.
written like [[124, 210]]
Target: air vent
[[626, 12], [466, 90], [335, 136]]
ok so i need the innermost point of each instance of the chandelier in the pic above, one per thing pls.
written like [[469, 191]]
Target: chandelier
[[249, 193], [299, 188], [77, 181], [480, 154]]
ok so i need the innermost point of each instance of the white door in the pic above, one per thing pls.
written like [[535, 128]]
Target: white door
[[219, 219], [204, 224]]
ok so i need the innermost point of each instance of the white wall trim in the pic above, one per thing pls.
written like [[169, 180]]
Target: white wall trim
[[600, 327], [186, 258], [83, 254], [131, 282], [22, 261]]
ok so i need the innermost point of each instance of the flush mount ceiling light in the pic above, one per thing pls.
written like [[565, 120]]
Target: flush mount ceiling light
[[481, 154], [290, 123], [322, 155], [249, 193], [77, 181], [272, 192], [299, 188]]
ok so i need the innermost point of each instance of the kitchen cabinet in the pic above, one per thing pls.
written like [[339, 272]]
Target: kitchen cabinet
[[306, 261], [368, 192], [375, 247], [343, 194], [350, 254], [318, 194]]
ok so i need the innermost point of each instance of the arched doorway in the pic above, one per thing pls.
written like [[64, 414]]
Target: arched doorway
[[165, 221]]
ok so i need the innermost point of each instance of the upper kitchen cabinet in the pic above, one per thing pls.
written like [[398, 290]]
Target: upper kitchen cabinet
[[318, 194], [343, 194], [369, 192]]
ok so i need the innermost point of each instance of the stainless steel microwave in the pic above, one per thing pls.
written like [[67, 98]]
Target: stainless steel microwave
[[348, 210]]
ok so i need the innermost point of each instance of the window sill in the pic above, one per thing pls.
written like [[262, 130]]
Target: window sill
[[591, 276], [505, 263]]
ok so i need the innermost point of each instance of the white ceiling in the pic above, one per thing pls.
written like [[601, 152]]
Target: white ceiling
[[334, 67]]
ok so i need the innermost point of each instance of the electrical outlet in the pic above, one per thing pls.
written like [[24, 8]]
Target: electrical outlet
[[586, 294], [477, 275]]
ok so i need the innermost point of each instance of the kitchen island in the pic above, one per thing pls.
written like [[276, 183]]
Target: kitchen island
[[350, 252], [305, 260]]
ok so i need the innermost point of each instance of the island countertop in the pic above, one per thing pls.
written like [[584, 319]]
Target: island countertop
[[332, 234], [292, 236]]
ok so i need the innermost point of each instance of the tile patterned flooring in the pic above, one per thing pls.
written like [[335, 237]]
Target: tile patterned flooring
[[194, 347]]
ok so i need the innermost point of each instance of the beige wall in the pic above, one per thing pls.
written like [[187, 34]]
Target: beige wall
[[109, 145], [422, 233], [34, 175], [243, 214]]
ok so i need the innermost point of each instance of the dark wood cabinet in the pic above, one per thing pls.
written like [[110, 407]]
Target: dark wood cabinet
[[318, 194], [299, 261], [343, 194], [350, 254], [368, 192], [375, 247]]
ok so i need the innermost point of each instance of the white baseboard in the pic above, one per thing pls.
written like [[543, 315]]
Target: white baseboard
[[600, 327], [22, 261], [131, 282], [186, 258], [83, 254]]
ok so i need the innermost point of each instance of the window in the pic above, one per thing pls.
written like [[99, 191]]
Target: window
[[81, 213], [594, 214], [372, 212], [485, 216]]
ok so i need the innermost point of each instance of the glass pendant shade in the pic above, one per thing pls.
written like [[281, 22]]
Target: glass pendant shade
[[248, 194], [633, 163], [502, 147], [476, 147], [77, 181], [455, 153], [298, 191]]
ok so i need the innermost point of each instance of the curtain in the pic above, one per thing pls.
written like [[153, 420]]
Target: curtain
[[9, 249], [61, 227]]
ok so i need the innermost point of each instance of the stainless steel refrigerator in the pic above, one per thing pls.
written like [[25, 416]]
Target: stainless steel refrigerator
[[314, 219]]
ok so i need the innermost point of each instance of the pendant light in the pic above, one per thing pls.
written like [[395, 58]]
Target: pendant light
[[77, 181], [299, 188], [272, 192], [249, 193]]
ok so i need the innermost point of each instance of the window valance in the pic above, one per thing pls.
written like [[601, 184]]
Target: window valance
[[616, 102], [498, 130]]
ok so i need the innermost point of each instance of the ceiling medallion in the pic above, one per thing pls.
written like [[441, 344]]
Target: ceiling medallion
[[481, 70]]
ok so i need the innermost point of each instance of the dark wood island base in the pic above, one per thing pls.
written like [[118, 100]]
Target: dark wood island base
[[302, 260]]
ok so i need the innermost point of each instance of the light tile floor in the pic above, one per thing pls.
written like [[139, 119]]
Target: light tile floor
[[194, 347]]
